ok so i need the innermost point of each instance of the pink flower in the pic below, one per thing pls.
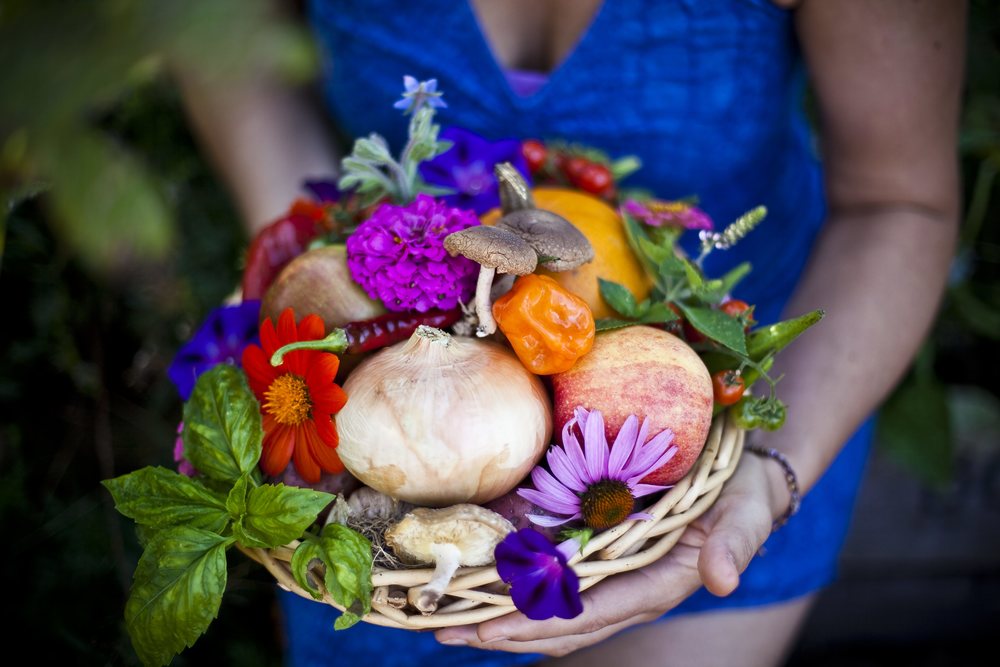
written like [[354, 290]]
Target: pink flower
[[184, 466], [656, 213], [597, 483]]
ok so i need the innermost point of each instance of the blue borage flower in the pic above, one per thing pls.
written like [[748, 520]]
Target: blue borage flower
[[418, 94], [542, 584], [220, 340]]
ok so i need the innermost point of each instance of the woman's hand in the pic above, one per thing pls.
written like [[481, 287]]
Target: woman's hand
[[713, 551]]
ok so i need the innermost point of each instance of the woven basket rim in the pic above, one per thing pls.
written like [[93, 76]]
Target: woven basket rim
[[628, 546]]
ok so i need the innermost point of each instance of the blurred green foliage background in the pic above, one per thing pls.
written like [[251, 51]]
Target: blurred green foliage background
[[116, 240]]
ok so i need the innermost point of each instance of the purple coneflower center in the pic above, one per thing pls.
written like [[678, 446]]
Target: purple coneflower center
[[606, 503]]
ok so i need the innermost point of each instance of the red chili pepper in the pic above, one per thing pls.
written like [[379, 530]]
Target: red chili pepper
[[273, 248], [384, 330]]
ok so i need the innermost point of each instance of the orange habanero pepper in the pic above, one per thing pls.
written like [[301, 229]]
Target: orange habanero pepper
[[548, 326]]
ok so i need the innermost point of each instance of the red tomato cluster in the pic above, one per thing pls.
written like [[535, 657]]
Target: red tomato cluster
[[580, 172]]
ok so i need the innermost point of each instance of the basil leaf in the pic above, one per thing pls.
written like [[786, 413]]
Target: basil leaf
[[222, 425], [176, 592], [658, 313], [611, 323], [653, 252], [347, 559], [277, 514], [619, 298], [236, 501], [158, 498], [718, 326], [672, 266]]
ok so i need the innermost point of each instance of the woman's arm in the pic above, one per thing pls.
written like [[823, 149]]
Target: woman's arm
[[263, 136], [887, 75]]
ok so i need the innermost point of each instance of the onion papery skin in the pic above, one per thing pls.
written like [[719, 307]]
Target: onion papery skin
[[438, 420]]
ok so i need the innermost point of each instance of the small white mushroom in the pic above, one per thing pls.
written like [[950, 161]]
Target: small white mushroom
[[497, 251], [460, 535]]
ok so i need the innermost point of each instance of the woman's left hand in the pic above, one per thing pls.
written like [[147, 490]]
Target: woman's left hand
[[713, 551]]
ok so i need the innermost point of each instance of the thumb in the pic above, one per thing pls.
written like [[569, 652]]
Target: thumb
[[733, 540]]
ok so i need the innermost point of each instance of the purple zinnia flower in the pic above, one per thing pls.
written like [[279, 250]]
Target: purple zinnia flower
[[656, 213], [418, 94], [184, 466], [542, 584], [398, 257], [467, 168], [220, 340], [597, 483]]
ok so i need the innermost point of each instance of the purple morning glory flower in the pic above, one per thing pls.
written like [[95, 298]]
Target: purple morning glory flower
[[220, 340], [323, 191], [542, 584], [418, 94], [398, 257], [467, 168]]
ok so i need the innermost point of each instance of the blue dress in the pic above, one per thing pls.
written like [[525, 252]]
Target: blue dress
[[708, 93]]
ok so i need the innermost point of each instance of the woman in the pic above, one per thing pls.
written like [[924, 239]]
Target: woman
[[708, 94]]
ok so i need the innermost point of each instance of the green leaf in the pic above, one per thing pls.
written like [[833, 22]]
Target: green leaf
[[347, 559], [236, 501], [373, 148], [694, 277], [734, 276], [672, 266], [658, 313], [710, 292], [625, 166], [346, 620], [222, 425], [718, 326], [176, 592], [277, 514], [611, 323], [653, 252], [914, 427], [619, 298], [104, 202], [158, 498]]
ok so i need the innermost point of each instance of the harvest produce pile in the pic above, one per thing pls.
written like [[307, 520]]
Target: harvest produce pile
[[474, 354]]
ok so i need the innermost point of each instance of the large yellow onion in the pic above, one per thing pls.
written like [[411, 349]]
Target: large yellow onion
[[438, 420]]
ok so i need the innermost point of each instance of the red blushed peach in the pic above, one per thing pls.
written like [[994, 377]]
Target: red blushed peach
[[649, 373]]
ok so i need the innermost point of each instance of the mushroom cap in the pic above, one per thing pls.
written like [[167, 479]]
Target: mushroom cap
[[494, 248], [474, 530], [559, 244]]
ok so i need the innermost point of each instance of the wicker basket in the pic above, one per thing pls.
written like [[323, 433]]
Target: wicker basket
[[477, 591]]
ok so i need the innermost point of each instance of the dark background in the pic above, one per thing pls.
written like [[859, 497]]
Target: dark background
[[87, 337]]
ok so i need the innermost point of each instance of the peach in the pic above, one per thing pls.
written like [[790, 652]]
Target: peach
[[649, 373]]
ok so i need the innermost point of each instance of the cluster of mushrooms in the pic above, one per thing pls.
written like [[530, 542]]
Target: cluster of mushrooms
[[524, 238], [463, 535]]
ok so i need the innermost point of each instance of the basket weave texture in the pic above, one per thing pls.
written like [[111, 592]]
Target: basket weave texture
[[476, 594]]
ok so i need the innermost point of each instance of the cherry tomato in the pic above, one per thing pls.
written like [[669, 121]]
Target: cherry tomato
[[595, 179], [727, 387], [535, 154], [739, 309], [573, 166]]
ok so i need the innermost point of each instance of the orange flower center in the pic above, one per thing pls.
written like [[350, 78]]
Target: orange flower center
[[606, 503], [288, 400]]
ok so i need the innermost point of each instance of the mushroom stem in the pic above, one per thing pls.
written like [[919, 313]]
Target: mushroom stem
[[484, 304], [446, 561]]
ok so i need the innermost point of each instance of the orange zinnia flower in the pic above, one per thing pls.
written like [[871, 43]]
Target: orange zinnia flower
[[297, 399]]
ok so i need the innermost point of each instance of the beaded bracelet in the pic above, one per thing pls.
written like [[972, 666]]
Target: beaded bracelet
[[790, 478]]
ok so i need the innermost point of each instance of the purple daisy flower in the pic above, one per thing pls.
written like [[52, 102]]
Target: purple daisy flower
[[220, 340], [542, 584], [596, 483], [467, 168], [419, 93], [398, 257], [656, 213]]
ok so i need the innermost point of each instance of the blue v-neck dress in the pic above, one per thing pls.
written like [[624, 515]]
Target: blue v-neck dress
[[708, 93]]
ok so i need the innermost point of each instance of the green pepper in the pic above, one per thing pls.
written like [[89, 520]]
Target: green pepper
[[768, 340], [766, 413]]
